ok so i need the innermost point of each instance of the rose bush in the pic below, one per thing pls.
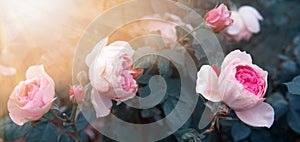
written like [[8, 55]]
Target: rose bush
[[246, 23], [241, 85], [111, 74], [31, 98], [219, 18]]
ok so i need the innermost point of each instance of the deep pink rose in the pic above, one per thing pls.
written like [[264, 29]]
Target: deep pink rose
[[77, 92], [111, 75], [32, 98], [241, 85], [246, 23], [218, 18]]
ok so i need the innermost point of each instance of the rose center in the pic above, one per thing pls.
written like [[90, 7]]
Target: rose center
[[250, 79]]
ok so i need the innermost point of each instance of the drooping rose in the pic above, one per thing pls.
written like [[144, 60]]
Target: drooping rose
[[31, 98], [77, 92], [111, 74], [218, 18], [246, 23], [241, 85]]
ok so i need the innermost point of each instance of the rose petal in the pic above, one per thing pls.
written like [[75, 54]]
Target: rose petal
[[260, 116], [236, 55], [207, 84], [250, 17], [38, 71], [237, 25], [96, 50], [101, 104]]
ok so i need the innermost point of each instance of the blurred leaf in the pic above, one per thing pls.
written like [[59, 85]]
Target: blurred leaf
[[43, 132], [293, 119], [261, 135], [294, 85], [293, 115], [297, 52], [279, 104], [240, 131], [164, 67], [290, 67], [11, 131], [176, 56], [144, 91], [81, 122], [144, 79], [169, 105], [64, 138], [294, 101]]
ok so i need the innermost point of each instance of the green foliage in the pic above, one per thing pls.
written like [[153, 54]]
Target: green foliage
[[42, 132], [240, 131], [294, 86], [11, 131]]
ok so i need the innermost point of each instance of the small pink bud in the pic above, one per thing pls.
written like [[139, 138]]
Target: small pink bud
[[77, 92], [219, 18]]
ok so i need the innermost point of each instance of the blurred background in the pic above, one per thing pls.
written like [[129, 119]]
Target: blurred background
[[47, 32]]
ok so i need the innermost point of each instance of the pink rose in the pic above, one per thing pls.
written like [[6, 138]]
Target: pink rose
[[166, 28], [111, 75], [241, 85], [218, 18], [32, 98], [77, 92], [246, 23]]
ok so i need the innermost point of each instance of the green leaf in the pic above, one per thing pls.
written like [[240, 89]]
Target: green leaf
[[294, 85], [169, 105], [11, 131], [279, 104], [81, 122], [43, 132], [240, 131], [293, 115], [261, 135]]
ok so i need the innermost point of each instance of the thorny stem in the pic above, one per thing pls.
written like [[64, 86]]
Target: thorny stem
[[202, 25]]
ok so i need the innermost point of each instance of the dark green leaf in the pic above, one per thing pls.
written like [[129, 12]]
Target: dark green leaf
[[81, 122], [294, 101], [144, 79], [240, 131], [262, 135], [279, 104], [65, 138], [43, 132], [11, 131], [293, 119], [169, 105], [144, 92], [294, 86]]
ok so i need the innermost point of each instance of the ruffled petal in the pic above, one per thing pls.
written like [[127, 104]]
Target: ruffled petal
[[251, 17], [96, 50], [236, 55], [207, 84], [260, 116], [101, 104], [237, 25]]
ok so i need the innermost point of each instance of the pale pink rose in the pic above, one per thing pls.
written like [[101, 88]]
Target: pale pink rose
[[246, 23], [32, 98], [166, 25], [77, 92], [241, 85], [111, 75], [218, 18]]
